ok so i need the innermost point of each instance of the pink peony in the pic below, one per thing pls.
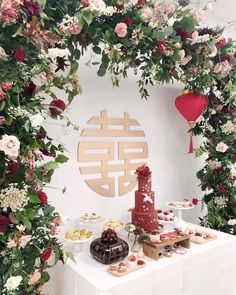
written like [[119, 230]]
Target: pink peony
[[75, 29], [34, 277], [2, 120], [168, 8], [57, 221], [24, 240], [221, 147], [10, 145], [85, 2], [121, 30], [218, 68], [2, 94], [6, 86], [9, 11], [11, 244]]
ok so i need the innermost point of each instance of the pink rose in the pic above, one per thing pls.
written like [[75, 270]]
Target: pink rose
[[24, 240], [219, 108], [218, 68], [194, 37], [121, 30], [85, 2], [221, 147], [10, 145], [34, 277], [11, 244], [57, 221], [6, 86], [186, 60], [2, 120], [168, 8], [199, 15], [2, 94], [75, 29]]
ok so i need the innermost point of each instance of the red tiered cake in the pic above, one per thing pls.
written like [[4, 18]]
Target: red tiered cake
[[144, 214]]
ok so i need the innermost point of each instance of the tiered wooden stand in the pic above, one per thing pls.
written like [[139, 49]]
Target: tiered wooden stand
[[153, 250]]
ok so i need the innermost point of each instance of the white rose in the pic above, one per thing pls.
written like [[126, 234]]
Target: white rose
[[13, 283], [182, 53], [228, 127], [10, 145], [3, 55], [214, 164], [97, 5], [55, 52], [36, 120], [232, 222], [213, 52], [146, 13], [221, 147], [233, 171]]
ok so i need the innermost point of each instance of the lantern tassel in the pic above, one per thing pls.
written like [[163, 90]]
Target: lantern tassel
[[191, 125], [191, 144]]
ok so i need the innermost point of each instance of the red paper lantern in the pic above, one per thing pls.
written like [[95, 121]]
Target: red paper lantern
[[191, 106]]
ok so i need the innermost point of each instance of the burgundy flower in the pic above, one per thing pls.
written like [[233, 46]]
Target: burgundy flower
[[32, 8], [41, 135], [30, 90], [13, 168], [222, 42], [160, 49], [221, 189], [141, 2], [120, 7], [184, 34], [46, 254], [195, 201], [46, 152], [193, 71], [143, 171], [19, 54], [228, 58], [137, 62], [61, 63], [57, 106], [85, 2], [4, 223], [217, 119], [128, 21], [207, 31], [234, 158], [43, 198]]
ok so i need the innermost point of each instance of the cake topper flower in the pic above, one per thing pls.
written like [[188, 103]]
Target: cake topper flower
[[143, 171]]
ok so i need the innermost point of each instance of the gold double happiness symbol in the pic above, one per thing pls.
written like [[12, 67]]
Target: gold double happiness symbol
[[117, 156]]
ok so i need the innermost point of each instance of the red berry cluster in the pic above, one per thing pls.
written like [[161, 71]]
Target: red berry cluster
[[109, 236]]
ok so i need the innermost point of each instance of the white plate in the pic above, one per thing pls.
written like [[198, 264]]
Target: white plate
[[182, 208], [163, 221], [77, 241]]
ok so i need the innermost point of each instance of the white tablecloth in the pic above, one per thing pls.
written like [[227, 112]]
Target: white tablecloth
[[208, 269]]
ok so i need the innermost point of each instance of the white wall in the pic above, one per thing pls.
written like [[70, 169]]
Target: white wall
[[166, 132]]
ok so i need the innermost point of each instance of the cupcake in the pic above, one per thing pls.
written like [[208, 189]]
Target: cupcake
[[198, 236], [154, 237]]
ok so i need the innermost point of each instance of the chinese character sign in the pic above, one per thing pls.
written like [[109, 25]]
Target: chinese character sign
[[109, 152]]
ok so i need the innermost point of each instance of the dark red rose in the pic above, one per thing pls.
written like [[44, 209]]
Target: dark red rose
[[143, 171], [19, 54], [217, 119], [221, 43], [221, 189], [195, 201], [183, 33], [141, 2], [46, 254], [30, 90], [234, 158], [137, 62], [160, 46], [120, 7], [32, 8], [46, 152], [4, 223], [41, 135], [43, 198], [128, 21], [13, 168], [57, 106], [229, 58], [14, 122]]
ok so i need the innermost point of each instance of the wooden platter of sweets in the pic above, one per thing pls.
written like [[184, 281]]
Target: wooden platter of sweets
[[125, 267], [200, 237]]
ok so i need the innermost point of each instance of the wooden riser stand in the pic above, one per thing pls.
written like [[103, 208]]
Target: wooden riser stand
[[153, 250]]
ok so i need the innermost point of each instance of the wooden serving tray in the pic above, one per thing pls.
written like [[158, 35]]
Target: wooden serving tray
[[202, 241], [152, 250], [128, 270]]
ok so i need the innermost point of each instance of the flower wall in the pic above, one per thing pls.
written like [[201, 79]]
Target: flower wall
[[163, 41]]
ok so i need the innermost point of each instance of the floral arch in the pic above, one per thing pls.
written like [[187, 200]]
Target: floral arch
[[164, 41]]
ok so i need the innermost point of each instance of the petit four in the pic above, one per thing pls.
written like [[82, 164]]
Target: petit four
[[90, 217], [154, 237], [78, 235], [114, 224], [121, 269]]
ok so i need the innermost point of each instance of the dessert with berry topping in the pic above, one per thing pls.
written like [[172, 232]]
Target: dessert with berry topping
[[132, 261], [109, 248], [154, 237], [144, 214]]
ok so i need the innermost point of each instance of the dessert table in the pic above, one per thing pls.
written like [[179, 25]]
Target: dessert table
[[205, 269]]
